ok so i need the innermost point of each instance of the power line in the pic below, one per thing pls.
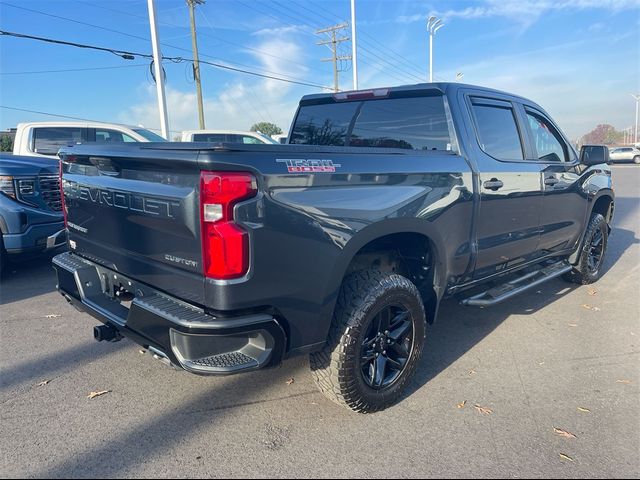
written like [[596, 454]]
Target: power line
[[128, 55], [404, 67], [74, 69], [266, 72], [75, 21], [69, 117]]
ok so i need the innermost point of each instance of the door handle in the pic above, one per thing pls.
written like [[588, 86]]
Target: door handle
[[551, 181], [493, 184]]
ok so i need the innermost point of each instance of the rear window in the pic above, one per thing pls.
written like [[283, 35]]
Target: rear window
[[48, 140], [418, 123]]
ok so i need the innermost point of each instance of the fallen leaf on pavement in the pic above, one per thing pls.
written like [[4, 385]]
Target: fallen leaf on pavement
[[590, 307], [52, 315], [565, 457], [290, 381], [572, 324], [626, 382], [592, 292], [43, 383], [483, 410], [472, 372], [97, 394], [563, 433], [582, 409], [461, 404]]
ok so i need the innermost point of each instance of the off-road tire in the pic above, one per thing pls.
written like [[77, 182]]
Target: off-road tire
[[337, 368], [581, 273]]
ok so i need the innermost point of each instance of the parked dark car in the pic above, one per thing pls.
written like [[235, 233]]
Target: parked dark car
[[226, 258], [31, 218]]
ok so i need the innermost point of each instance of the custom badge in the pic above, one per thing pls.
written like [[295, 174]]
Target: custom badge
[[309, 165]]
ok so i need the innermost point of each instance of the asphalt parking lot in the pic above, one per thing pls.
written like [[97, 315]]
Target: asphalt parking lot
[[564, 357]]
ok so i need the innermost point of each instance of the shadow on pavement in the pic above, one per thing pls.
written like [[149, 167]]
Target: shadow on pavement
[[50, 365], [458, 330], [27, 278]]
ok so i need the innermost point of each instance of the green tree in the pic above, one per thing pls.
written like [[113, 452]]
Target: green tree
[[267, 128], [6, 143]]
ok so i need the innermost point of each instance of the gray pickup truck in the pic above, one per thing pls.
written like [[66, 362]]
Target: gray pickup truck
[[226, 258]]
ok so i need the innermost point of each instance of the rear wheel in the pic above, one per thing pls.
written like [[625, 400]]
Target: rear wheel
[[375, 342], [591, 258]]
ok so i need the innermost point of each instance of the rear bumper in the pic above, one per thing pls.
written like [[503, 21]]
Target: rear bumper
[[182, 333]]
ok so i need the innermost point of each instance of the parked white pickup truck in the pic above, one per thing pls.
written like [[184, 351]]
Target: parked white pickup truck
[[44, 139]]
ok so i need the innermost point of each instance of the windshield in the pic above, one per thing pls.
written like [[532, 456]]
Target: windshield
[[418, 123], [152, 137]]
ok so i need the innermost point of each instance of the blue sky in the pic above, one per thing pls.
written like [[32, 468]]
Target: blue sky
[[580, 59]]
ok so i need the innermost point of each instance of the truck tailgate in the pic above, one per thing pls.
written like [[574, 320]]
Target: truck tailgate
[[138, 216]]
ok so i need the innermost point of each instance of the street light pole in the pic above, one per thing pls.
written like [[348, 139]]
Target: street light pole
[[635, 132], [159, 73], [433, 25], [354, 45]]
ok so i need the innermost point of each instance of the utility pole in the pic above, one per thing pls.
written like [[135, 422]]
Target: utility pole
[[354, 45], [332, 42], [196, 62], [159, 73]]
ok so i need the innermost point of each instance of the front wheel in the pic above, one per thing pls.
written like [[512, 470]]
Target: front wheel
[[375, 342], [636, 159], [591, 258]]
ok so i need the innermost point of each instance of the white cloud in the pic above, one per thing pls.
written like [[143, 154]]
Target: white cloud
[[281, 30], [525, 12], [236, 105]]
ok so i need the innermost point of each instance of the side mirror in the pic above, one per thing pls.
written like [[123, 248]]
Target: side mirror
[[594, 155]]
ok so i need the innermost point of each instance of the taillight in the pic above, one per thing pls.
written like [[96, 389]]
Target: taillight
[[225, 245], [62, 203]]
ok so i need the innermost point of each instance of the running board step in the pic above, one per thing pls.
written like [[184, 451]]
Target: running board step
[[512, 288]]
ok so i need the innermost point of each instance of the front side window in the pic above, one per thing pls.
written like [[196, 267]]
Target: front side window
[[48, 140], [497, 130], [415, 123], [152, 137], [112, 136], [548, 143], [250, 140]]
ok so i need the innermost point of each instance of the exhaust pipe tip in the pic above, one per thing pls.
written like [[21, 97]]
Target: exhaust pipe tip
[[106, 333]]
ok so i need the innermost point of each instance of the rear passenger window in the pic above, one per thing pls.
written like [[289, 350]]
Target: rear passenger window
[[497, 129], [48, 140], [549, 144]]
